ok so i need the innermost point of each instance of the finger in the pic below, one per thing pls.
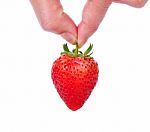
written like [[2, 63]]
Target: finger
[[52, 18], [134, 3], [92, 16]]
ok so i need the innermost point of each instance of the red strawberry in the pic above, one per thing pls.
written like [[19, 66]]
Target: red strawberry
[[74, 75]]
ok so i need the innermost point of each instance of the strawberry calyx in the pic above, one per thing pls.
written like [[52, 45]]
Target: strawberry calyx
[[76, 52]]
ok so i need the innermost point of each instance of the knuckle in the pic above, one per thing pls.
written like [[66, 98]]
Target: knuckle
[[52, 22], [49, 25], [92, 26], [45, 25]]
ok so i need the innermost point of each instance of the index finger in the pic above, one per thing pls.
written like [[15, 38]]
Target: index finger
[[52, 18]]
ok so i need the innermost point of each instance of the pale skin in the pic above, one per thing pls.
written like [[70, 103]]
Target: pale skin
[[53, 19]]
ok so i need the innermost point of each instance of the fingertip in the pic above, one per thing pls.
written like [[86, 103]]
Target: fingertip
[[81, 42], [69, 37], [84, 32]]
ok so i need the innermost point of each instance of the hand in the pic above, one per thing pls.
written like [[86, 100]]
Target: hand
[[52, 18]]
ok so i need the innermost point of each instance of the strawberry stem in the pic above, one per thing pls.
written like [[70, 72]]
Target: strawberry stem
[[76, 50]]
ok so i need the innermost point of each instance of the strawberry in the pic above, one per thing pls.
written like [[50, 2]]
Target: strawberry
[[74, 75]]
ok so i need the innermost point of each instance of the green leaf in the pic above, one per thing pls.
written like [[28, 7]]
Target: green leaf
[[80, 55], [65, 47], [63, 53], [89, 54], [88, 50], [67, 53]]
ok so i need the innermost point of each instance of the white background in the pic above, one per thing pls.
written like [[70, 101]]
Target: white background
[[28, 100]]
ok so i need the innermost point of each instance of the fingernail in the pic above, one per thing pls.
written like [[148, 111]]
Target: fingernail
[[69, 37]]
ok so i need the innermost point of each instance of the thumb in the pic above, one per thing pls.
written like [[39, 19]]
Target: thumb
[[92, 15]]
